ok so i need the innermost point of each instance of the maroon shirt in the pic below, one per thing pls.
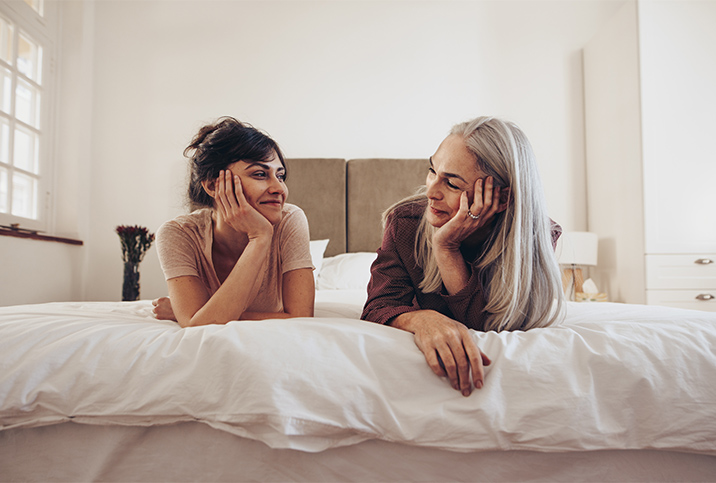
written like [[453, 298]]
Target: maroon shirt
[[395, 276]]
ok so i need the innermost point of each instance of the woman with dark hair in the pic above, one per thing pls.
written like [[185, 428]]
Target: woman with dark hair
[[243, 253], [473, 250]]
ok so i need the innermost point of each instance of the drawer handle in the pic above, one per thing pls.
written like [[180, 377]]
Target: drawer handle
[[704, 261], [705, 296]]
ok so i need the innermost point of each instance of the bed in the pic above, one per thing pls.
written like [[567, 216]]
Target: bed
[[101, 391]]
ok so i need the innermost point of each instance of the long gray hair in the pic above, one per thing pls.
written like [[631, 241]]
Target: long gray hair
[[518, 269]]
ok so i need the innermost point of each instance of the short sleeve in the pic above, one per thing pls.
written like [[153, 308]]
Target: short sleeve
[[176, 251], [294, 241]]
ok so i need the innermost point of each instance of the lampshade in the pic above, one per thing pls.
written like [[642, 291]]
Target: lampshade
[[577, 248]]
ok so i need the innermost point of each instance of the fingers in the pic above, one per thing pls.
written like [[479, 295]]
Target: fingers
[[155, 306], [452, 367], [486, 201], [230, 199], [220, 197], [229, 193], [450, 360], [494, 203], [483, 195], [239, 190], [477, 361], [464, 204], [450, 351], [459, 369], [435, 363]]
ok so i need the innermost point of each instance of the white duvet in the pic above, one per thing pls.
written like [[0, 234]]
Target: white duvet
[[613, 376]]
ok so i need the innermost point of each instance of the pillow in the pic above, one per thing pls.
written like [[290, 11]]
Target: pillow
[[318, 247], [348, 271]]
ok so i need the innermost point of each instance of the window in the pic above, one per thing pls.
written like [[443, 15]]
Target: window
[[25, 93]]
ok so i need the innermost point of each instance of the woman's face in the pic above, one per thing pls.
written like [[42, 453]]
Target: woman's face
[[264, 185], [452, 170]]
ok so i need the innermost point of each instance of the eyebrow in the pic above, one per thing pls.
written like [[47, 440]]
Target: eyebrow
[[251, 164], [448, 175]]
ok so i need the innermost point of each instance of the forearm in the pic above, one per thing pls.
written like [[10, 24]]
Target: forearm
[[298, 296], [234, 296], [453, 270], [265, 315]]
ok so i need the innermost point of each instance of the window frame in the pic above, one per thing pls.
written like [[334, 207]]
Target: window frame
[[43, 31]]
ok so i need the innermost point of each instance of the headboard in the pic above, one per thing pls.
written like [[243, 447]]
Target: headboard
[[344, 200]]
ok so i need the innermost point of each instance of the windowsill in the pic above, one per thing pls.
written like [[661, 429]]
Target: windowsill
[[37, 236]]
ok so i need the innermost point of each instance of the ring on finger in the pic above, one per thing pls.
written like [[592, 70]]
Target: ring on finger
[[474, 217]]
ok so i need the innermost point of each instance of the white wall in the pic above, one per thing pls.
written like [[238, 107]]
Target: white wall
[[38, 271], [325, 78], [45, 271]]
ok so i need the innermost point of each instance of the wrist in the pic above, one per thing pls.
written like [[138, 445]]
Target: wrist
[[441, 244], [409, 321], [261, 236], [257, 245]]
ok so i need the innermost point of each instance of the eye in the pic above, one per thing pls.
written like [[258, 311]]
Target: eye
[[259, 174], [451, 185], [281, 176], [431, 171]]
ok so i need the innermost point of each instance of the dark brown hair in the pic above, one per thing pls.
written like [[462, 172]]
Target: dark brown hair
[[219, 145]]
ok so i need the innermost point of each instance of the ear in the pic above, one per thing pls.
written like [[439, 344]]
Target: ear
[[505, 199], [210, 187]]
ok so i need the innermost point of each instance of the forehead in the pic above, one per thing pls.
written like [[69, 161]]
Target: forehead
[[453, 157]]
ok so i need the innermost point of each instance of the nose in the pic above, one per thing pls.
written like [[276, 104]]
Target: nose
[[433, 192], [277, 186]]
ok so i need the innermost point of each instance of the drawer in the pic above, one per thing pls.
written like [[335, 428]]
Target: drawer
[[693, 271], [683, 299]]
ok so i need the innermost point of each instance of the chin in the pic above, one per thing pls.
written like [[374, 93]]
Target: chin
[[437, 221], [273, 215], [274, 218]]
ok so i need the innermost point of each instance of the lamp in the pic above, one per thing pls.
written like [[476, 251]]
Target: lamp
[[576, 248]]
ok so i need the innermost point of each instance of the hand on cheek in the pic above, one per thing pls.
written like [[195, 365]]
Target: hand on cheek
[[235, 209]]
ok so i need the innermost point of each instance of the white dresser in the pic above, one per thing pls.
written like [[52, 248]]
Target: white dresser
[[650, 116], [685, 281]]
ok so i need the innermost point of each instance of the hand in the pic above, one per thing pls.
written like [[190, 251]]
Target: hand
[[235, 210], [448, 347], [485, 205], [163, 309]]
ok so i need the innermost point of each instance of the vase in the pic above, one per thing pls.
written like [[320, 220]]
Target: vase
[[130, 287]]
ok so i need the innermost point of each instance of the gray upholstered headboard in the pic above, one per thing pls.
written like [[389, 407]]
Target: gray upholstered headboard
[[344, 200]]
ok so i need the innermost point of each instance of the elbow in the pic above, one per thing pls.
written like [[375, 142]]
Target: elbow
[[308, 312], [197, 321], [187, 323]]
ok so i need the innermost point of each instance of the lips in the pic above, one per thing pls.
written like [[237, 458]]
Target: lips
[[436, 211], [275, 203]]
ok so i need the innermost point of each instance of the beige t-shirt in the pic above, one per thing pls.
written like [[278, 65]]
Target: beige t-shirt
[[184, 247]]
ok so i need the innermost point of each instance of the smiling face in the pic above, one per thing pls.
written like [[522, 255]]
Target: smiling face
[[264, 185], [452, 170]]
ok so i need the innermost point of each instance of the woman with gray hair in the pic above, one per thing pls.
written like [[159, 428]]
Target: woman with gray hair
[[474, 249]]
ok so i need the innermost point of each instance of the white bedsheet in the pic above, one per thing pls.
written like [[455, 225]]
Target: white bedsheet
[[613, 376]]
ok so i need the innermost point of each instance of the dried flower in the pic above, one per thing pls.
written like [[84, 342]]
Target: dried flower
[[136, 240]]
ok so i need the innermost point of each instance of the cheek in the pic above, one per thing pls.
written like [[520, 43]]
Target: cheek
[[453, 201]]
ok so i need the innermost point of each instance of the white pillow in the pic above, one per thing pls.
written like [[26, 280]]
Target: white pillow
[[348, 271], [318, 247]]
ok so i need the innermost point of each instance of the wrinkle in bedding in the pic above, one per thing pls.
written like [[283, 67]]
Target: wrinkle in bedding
[[612, 376]]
